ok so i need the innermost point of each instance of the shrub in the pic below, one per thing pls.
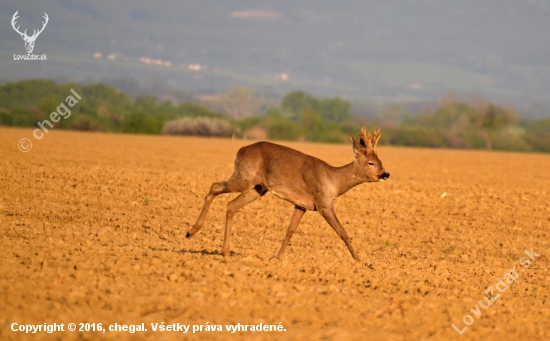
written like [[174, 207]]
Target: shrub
[[474, 139], [452, 140], [538, 141], [201, 126], [141, 124], [24, 117], [510, 142], [417, 136], [5, 118], [334, 136], [84, 123], [283, 130]]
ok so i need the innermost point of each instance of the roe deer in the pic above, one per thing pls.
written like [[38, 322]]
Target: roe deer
[[305, 181]]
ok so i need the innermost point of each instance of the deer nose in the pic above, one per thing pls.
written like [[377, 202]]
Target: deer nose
[[384, 176]]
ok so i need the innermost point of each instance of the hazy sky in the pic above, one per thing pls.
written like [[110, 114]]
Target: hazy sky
[[359, 49]]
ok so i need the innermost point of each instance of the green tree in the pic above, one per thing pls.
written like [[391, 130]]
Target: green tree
[[294, 103], [284, 129], [24, 117], [493, 119], [311, 121], [5, 118], [27, 93], [140, 123], [146, 104], [335, 109], [273, 111], [331, 109], [48, 105]]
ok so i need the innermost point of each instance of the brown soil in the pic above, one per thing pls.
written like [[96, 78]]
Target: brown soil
[[92, 229]]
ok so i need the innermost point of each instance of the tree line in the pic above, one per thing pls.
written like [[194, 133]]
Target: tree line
[[453, 123]]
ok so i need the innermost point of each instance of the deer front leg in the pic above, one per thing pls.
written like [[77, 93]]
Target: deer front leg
[[332, 220], [294, 221], [232, 208]]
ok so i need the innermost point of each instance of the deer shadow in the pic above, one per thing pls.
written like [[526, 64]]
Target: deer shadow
[[206, 252]]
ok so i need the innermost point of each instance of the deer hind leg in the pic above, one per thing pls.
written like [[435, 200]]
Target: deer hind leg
[[332, 220], [236, 183], [294, 221], [234, 206], [216, 189]]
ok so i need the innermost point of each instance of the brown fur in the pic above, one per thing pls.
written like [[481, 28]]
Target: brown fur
[[307, 182]]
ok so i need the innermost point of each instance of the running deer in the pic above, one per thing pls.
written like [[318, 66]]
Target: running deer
[[305, 181]]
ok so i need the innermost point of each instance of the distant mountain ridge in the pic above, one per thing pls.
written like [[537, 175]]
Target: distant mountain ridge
[[380, 50]]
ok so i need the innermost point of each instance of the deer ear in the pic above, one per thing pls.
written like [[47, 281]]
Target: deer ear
[[356, 146]]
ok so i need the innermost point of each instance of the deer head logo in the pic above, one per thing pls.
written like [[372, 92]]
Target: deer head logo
[[29, 41]]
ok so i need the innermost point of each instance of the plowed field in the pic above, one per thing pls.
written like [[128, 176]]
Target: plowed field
[[92, 230]]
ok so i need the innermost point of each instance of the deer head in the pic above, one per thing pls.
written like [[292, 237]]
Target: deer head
[[369, 165], [29, 41]]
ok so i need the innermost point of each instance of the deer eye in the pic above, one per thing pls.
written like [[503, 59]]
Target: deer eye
[[371, 163]]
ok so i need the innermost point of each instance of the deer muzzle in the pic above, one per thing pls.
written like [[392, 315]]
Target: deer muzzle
[[383, 177]]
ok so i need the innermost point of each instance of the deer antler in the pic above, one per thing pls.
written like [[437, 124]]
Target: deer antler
[[375, 137], [13, 23], [369, 140]]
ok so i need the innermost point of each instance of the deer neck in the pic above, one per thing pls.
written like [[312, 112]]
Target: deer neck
[[347, 177]]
